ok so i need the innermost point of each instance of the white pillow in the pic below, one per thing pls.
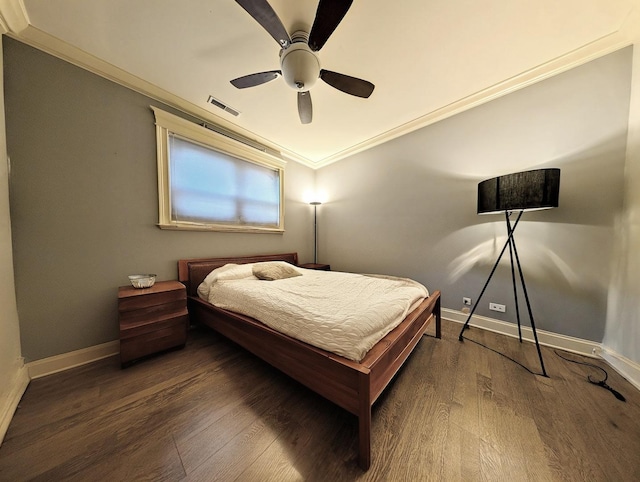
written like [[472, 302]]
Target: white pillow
[[229, 271], [274, 270]]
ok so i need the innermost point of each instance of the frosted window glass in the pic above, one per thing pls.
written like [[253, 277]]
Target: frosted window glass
[[208, 186]]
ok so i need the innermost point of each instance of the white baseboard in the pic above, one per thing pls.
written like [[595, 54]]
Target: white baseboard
[[47, 366], [10, 400], [625, 367], [546, 338], [65, 361]]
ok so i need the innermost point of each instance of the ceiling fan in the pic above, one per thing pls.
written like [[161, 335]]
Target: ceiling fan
[[299, 62]]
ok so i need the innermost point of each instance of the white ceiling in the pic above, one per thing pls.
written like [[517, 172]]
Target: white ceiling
[[428, 58]]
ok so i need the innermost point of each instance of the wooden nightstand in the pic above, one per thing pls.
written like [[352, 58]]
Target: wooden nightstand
[[318, 266], [151, 319]]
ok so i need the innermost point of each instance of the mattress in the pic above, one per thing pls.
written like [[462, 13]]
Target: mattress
[[344, 313]]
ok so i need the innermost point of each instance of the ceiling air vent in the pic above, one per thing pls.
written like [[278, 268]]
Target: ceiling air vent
[[223, 106]]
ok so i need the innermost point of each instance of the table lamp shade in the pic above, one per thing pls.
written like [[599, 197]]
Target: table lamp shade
[[529, 190]]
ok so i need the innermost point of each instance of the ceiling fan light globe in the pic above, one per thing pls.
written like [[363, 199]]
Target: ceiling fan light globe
[[300, 66]]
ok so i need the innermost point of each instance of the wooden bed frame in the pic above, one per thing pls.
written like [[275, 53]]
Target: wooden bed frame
[[351, 385]]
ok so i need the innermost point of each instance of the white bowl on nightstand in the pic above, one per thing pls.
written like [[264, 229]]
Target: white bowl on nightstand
[[142, 280]]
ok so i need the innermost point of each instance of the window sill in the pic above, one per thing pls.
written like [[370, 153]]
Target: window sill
[[219, 228]]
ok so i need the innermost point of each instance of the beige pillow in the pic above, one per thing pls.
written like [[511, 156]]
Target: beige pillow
[[271, 271]]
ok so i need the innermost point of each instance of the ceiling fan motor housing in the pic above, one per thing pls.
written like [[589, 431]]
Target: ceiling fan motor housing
[[300, 65]]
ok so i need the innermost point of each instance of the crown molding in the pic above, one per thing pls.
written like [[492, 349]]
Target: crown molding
[[598, 48], [45, 42], [13, 16], [15, 22]]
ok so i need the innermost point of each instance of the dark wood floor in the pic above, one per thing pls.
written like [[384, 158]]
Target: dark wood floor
[[456, 411]]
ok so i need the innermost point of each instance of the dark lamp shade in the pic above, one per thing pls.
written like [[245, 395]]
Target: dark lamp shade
[[522, 191]]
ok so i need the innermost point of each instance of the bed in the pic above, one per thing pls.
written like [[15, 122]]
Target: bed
[[352, 385]]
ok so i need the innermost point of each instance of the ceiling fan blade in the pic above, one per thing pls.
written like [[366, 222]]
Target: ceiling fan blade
[[262, 12], [252, 80], [347, 84], [329, 14], [305, 109]]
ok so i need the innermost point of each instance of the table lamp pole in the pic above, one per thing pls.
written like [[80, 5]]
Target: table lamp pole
[[315, 205]]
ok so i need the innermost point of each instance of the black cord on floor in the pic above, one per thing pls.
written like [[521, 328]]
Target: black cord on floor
[[502, 354], [602, 383]]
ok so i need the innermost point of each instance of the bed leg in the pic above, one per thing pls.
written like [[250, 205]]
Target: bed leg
[[364, 423], [364, 454]]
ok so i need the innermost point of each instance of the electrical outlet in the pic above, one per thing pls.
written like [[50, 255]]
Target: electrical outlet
[[466, 301], [497, 307]]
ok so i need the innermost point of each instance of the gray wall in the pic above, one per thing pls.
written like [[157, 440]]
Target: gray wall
[[10, 353], [407, 207], [84, 202]]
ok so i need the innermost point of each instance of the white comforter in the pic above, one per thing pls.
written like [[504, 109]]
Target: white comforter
[[343, 313]]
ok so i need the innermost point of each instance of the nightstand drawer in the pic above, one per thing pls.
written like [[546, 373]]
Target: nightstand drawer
[[143, 300], [151, 313], [156, 324], [170, 336]]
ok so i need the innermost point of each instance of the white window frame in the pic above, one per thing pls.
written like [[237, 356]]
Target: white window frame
[[168, 123]]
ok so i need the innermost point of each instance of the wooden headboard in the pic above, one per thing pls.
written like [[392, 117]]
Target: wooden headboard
[[191, 272]]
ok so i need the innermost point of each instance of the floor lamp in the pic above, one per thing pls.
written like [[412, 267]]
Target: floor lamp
[[519, 192], [315, 205]]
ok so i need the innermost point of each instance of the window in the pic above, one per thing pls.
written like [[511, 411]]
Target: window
[[207, 181]]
